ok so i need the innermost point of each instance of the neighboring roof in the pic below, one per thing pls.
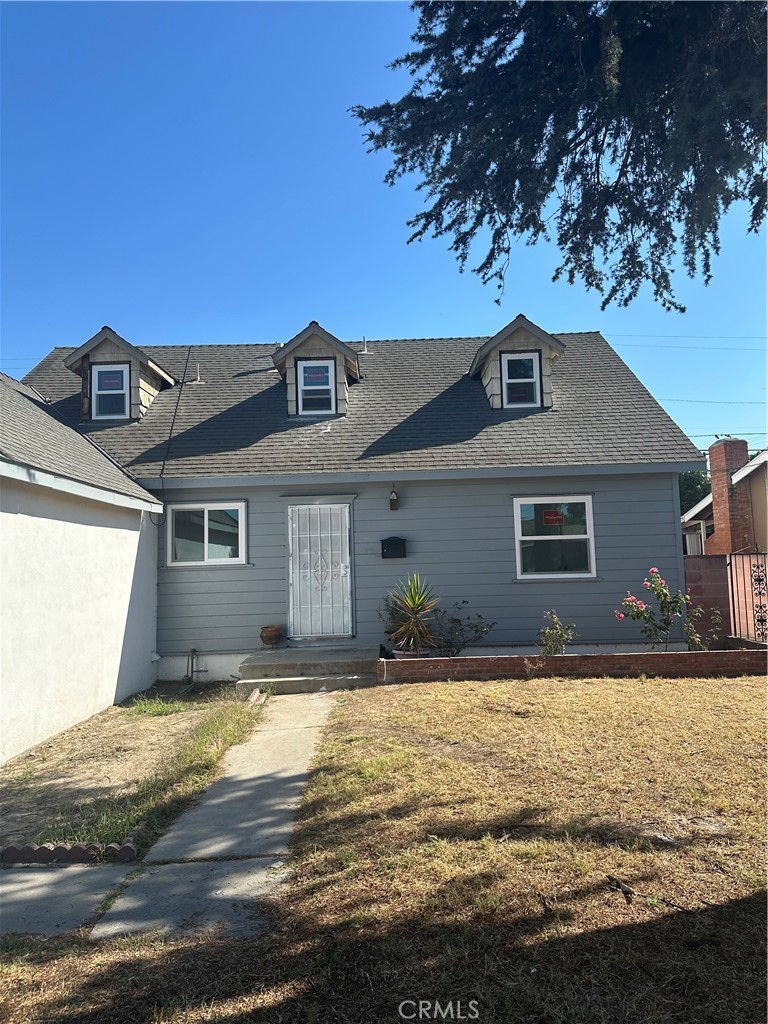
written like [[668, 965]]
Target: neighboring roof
[[704, 506], [520, 322], [313, 329], [107, 334], [415, 409], [32, 434]]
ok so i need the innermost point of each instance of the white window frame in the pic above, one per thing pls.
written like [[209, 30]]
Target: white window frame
[[535, 358], [205, 507], [589, 536], [300, 388], [96, 369]]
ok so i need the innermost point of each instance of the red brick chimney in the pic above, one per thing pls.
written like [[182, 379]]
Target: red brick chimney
[[731, 505]]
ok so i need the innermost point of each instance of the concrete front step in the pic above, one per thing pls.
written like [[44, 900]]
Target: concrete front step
[[294, 662], [305, 684]]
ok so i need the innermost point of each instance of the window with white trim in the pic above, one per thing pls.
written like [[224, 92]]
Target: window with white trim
[[110, 391], [210, 534], [554, 537], [316, 386], [521, 380]]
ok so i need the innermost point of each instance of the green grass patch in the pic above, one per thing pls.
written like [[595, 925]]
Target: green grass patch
[[162, 796], [157, 706]]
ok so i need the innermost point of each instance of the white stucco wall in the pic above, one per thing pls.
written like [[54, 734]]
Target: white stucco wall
[[78, 610]]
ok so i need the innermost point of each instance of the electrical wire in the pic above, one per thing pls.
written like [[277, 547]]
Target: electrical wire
[[161, 520]]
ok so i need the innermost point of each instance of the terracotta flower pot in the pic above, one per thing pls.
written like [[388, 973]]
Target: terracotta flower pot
[[271, 635]]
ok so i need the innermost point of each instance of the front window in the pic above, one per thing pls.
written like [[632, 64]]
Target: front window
[[110, 391], [206, 534], [316, 386], [521, 380], [554, 537]]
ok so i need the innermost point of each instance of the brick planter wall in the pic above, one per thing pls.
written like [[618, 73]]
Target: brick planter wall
[[677, 664]]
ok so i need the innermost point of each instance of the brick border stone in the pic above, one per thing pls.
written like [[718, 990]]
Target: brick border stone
[[68, 853], [674, 664]]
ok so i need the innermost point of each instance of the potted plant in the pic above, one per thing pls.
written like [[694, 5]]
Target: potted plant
[[271, 635], [408, 617]]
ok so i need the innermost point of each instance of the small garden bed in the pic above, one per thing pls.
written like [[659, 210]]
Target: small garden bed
[[675, 664]]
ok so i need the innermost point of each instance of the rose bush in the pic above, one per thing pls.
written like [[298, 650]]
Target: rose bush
[[657, 621]]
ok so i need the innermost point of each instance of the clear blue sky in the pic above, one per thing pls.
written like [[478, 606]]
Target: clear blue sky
[[190, 173]]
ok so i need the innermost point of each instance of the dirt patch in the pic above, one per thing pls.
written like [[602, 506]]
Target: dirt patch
[[108, 755]]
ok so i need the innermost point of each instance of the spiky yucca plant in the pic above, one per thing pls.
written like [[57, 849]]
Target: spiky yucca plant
[[413, 602]]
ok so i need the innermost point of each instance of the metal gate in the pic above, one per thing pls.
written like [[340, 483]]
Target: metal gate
[[319, 571], [748, 586]]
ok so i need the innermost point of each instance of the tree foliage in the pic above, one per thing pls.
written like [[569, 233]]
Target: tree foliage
[[694, 486], [622, 130]]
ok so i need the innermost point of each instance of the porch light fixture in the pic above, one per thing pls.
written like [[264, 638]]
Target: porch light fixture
[[393, 500]]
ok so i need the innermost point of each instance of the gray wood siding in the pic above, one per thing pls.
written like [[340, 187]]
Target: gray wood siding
[[460, 536]]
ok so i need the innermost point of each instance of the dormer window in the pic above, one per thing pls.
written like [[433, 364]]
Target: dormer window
[[316, 386], [521, 380], [110, 383]]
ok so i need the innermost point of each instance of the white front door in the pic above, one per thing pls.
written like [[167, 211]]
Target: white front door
[[319, 573]]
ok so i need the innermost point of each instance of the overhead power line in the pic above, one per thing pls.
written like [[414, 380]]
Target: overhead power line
[[736, 337], [709, 401], [694, 348]]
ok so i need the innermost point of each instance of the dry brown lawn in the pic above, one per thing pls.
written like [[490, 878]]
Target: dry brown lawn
[[556, 850]]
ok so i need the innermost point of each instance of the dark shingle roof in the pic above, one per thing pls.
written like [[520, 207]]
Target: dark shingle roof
[[415, 408], [36, 435]]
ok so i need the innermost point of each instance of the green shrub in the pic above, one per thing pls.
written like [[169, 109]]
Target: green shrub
[[553, 639], [452, 631]]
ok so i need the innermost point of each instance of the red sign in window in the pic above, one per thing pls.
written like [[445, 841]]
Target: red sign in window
[[111, 381], [553, 517], [316, 375]]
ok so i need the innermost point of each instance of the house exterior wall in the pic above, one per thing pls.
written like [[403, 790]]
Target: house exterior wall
[[460, 536], [78, 606], [758, 486]]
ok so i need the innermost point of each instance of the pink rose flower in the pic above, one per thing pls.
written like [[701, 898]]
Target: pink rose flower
[[619, 615], [663, 583], [654, 571], [646, 584]]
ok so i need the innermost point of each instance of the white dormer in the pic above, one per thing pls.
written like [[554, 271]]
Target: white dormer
[[118, 380], [516, 366], [317, 369]]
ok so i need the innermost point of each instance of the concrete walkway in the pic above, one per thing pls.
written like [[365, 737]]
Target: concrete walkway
[[220, 857]]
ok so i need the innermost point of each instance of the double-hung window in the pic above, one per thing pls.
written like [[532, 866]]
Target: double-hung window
[[521, 380], [210, 534], [316, 385], [110, 391], [554, 537]]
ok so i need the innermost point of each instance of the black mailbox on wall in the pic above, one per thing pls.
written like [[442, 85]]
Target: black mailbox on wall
[[393, 547]]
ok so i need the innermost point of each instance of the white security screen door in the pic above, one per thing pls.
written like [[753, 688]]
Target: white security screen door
[[319, 580]]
